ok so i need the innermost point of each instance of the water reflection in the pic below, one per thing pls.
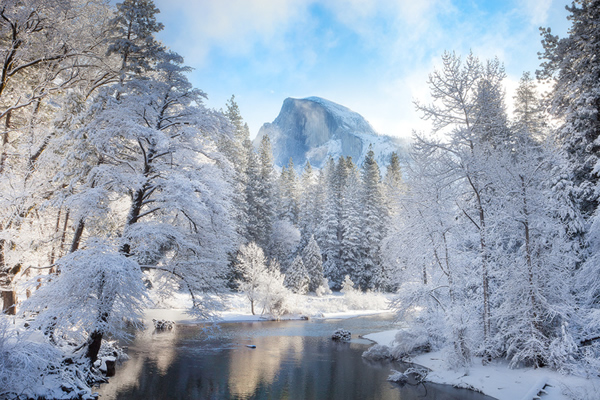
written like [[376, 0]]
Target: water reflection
[[292, 360]]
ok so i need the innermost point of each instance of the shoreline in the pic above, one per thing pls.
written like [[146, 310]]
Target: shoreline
[[497, 379]]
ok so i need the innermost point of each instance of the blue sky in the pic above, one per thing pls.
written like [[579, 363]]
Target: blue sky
[[372, 56]]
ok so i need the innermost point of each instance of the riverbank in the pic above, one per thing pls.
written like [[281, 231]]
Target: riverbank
[[237, 308], [499, 381]]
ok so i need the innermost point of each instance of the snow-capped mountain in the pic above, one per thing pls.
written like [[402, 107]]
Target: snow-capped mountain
[[314, 129]]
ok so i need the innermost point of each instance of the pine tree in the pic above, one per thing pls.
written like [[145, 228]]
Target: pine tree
[[574, 64], [267, 195], [234, 148], [311, 256], [289, 193], [308, 211], [351, 221], [297, 278], [327, 230], [373, 224], [528, 111], [254, 229], [133, 40]]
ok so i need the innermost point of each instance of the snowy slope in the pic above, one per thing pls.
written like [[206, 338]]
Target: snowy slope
[[314, 129]]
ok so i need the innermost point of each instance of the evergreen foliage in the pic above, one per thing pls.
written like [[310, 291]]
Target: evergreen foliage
[[296, 277], [311, 256]]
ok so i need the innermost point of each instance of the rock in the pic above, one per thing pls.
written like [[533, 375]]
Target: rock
[[341, 335], [161, 324]]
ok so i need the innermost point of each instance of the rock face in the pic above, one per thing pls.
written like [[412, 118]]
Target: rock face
[[314, 128]]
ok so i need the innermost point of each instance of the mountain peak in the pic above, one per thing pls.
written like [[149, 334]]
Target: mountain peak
[[314, 128]]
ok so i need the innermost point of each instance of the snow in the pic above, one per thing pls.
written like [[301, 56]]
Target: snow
[[385, 338], [237, 309], [497, 380], [349, 119]]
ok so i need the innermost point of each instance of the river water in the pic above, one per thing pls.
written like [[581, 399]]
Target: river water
[[292, 360]]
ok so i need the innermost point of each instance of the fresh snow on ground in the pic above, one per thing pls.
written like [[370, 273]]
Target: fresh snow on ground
[[499, 381], [237, 307]]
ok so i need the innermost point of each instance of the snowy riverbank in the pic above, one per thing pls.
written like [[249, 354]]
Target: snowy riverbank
[[499, 381], [237, 309]]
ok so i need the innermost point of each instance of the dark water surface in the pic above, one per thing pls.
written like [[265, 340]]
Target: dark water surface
[[292, 360]]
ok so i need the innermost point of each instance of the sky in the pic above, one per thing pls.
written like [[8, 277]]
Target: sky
[[372, 56]]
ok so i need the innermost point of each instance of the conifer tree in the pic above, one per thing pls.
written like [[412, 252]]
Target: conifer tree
[[267, 195], [327, 231], [351, 221], [296, 278], [373, 222], [528, 112], [311, 256], [573, 63], [289, 194], [233, 146], [309, 212]]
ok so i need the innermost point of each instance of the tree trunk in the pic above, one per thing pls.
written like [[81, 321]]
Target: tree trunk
[[77, 235], [9, 302], [94, 343], [3, 155]]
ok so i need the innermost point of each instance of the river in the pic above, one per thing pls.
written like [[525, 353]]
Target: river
[[292, 360]]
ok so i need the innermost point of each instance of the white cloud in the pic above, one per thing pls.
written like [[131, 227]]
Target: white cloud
[[234, 26], [537, 11]]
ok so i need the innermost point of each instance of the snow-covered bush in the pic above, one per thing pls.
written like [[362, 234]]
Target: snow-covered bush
[[347, 285], [22, 362], [323, 288], [377, 352], [397, 377], [272, 294], [562, 351], [410, 341]]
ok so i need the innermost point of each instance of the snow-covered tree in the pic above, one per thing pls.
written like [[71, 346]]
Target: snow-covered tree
[[289, 194], [328, 234], [529, 115], [285, 241], [262, 284], [48, 51], [273, 294], [253, 266], [351, 221], [572, 65], [261, 194], [373, 224], [234, 148], [309, 198], [313, 262], [102, 291], [296, 277]]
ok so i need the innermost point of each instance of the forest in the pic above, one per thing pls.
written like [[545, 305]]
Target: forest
[[115, 179]]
